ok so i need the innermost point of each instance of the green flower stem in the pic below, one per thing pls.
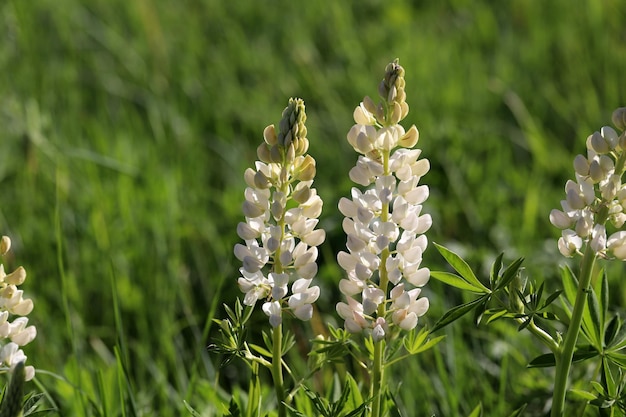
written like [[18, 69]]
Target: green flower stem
[[565, 355], [379, 347], [277, 333], [277, 370], [377, 378], [254, 391]]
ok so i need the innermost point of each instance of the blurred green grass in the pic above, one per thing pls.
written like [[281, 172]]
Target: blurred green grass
[[125, 128]]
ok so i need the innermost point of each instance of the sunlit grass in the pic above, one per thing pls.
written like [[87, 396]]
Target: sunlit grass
[[125, 128]]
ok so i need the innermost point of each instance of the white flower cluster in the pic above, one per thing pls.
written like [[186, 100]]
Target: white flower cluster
[[12, 303], [281, 210], [384, 225], [596, 197]]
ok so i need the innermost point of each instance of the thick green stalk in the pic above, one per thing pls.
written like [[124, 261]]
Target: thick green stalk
[[277, 340], [377, 378], [254, 391], [277, 370], [379, 347], [565, 355]]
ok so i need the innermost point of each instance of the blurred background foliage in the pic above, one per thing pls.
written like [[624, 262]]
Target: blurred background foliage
[[125, 128]]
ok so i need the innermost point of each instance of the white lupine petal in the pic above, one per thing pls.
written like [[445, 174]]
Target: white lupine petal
[[272, 244], [598, 144], [241, 251], [362, 272], [293, 215], [252, 264], [25, 336], [360, 175], [246, 232], [584, 225], [285, 258], [355, 244], [16, 277], [304, 256], [344, 310], [313, 207], [587, 190], [315, 238], [29, 373], [581, 165], [598, 241], [417, 195], [620, 252], [300, 285], [346, 261], [363, 143], [308, 270], [420, 277], [347, 207], [23, 308], [252, 210], [560, 219], [610, 136], [595, 171], [569, 243], [350, 287], [420, 306], [304, 312], [364, 215], [273, 310], [372, 297], [425, 221], [616, 239], [574, 199], [382, 242], [421, 167], [409, 322]]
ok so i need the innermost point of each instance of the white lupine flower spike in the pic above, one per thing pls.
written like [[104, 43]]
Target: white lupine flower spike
[[594, 209], [384, 224], [281, 212], [15, 333]]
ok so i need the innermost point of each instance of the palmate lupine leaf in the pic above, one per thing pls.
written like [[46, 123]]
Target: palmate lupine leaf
[[459, 311], [547, 360], [462, 268], [507, 276]]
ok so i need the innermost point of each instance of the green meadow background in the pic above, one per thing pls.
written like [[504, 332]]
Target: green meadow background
[[126, 126]]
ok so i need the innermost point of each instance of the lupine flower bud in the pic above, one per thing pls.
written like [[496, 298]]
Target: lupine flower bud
[[619, 118], [5, 245]]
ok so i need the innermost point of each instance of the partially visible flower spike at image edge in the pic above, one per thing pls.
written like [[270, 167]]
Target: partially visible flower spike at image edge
[[15, 333], [281, 210], [597, 197], [594, 202]]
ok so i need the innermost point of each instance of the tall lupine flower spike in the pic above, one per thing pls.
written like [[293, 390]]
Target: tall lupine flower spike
[[597, 196], [15, 333], [384, 225], [281, 210]]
